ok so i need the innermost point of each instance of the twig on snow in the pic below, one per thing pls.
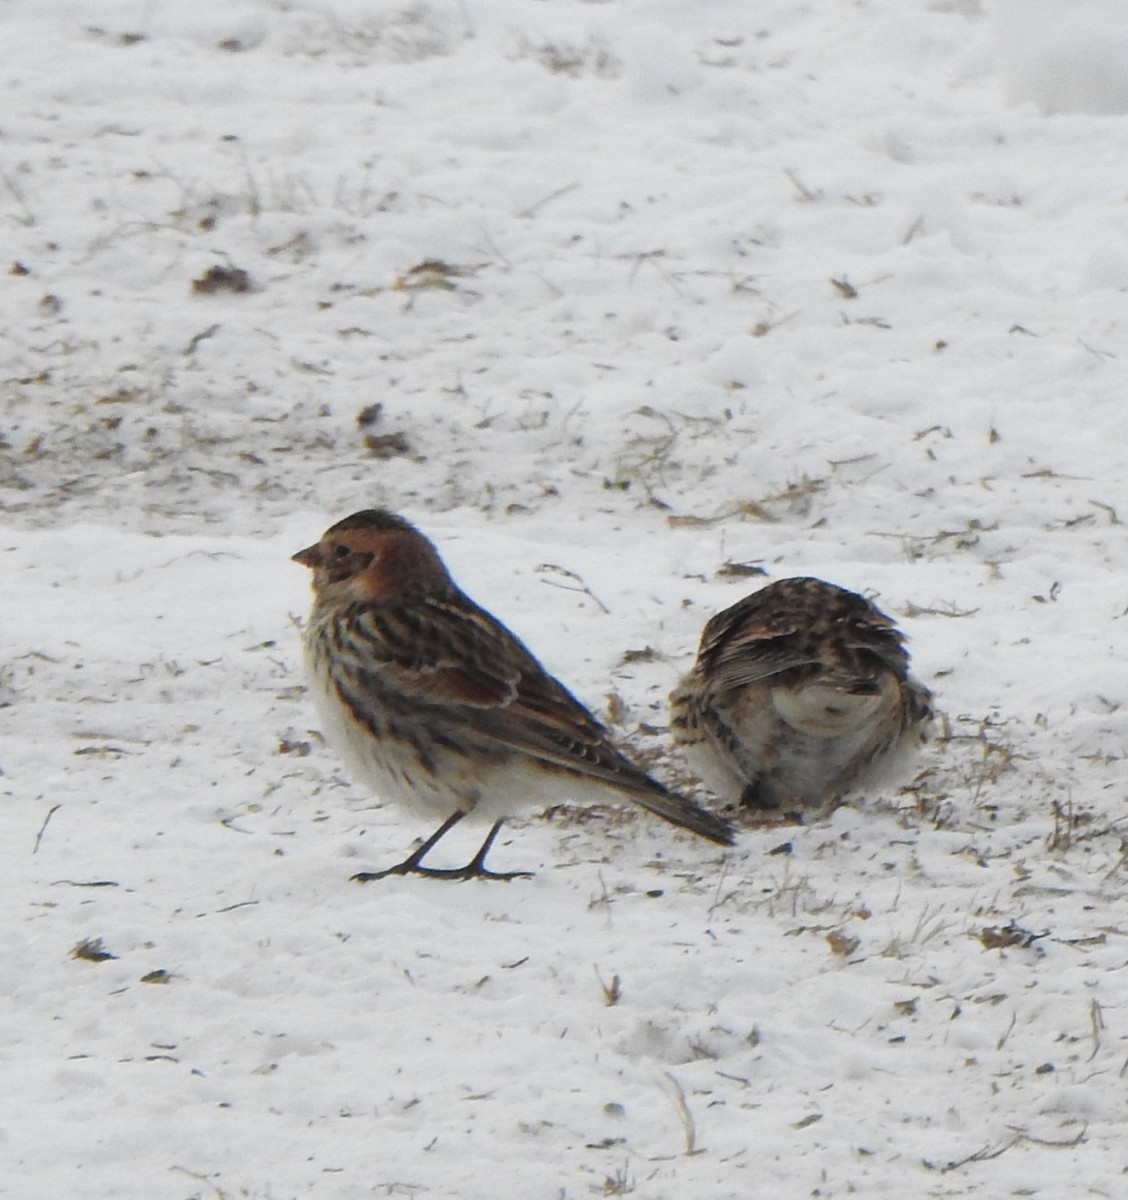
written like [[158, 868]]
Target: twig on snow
[[537, 205], [983, 1154], [220, 1195], [1096, 1023], [677, 1094], [986, 1153], [18, 196], [1009, 1030], [42, 828], [583, 587]]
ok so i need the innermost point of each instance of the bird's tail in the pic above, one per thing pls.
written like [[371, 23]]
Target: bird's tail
[[680, 810]]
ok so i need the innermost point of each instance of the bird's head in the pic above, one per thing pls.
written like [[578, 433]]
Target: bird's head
[[373, 555]]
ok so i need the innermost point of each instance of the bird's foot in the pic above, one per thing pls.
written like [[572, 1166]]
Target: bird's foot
[[475, 869], [472, 870]]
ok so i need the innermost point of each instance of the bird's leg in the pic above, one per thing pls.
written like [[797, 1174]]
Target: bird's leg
[[410, 865], [475, 869], [766, 807], [759, 796]]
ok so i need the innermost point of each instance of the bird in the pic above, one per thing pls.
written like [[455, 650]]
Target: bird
[[432, 702], [799, 692]]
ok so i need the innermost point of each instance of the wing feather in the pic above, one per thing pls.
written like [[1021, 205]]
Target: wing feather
[[797, 627]]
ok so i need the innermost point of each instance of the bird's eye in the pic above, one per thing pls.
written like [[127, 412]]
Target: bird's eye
[[341, 551]]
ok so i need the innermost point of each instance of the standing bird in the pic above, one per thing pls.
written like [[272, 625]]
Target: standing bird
[[799, 691], [433, 702]]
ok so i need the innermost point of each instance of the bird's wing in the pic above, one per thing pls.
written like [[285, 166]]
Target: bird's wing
[[449, 653], [746, 645], [431, 653], [456, 658], [801, 626]]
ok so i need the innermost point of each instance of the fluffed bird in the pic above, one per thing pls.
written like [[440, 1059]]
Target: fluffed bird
[[799, 692], [433, 702]]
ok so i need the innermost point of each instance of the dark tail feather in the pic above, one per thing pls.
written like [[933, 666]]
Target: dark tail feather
[[680, 810]]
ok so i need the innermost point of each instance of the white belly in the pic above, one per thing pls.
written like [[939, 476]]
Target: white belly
[[477, 778]]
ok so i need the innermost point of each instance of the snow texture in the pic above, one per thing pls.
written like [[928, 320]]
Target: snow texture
[[622, 302]]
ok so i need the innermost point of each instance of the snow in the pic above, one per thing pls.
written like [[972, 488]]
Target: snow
[[1065, 58], [825, 289]]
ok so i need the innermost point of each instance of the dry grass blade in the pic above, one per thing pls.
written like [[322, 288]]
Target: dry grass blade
[[677, 1094]]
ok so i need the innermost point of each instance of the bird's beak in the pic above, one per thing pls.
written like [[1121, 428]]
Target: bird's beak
[[311, 557]]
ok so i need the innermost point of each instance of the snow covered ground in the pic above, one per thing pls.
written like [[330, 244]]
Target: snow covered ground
[[617, 301]]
